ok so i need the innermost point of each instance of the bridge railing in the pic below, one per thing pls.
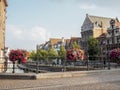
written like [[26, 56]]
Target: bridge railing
[[69, 66], [79, 65]]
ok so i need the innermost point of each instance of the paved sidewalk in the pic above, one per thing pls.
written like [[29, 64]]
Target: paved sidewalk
[[52, 74], [107, 80]]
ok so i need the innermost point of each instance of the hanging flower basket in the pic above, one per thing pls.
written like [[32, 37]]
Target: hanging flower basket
[[115, 55], [17, 55], [75, 54]]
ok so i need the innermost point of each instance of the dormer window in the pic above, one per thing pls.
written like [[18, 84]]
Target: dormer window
[[96, 22], [99, 25]]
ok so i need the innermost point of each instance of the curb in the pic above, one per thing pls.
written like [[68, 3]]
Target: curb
[[53, 75], [72, 74], [17, 76]]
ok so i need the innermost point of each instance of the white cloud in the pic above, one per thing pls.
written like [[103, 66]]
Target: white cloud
[[20, 37], [88, 6], [15, 31], [39, 33]]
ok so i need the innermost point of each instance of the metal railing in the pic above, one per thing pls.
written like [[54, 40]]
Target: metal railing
[[69, 66], [42, 67]]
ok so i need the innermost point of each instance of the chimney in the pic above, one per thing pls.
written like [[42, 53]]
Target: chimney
[[102, 26], [63, 41], [87, 15]]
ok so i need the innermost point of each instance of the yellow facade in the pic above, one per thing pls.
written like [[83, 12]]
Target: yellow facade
[[97, 32]]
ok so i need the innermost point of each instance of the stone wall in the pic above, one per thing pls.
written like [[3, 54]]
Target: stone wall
[[3, 5], [1, 66]]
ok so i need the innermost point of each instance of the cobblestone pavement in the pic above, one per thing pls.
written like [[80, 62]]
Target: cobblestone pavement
[[109, 80]]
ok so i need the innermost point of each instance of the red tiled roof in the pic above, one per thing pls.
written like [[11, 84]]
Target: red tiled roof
[[75, 38], [54, 40]]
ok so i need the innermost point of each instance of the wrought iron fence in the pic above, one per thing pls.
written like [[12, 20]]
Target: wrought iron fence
[[38, 66]]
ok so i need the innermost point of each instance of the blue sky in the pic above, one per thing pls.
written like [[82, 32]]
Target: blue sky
[[31, 22]]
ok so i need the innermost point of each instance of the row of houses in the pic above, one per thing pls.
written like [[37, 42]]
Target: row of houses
[[106, 30], [57, 42]]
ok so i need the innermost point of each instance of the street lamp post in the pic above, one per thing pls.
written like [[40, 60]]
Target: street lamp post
[[37, 63], [101, 50], [87, 62], [104, 51]]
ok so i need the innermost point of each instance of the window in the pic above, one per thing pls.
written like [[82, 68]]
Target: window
[[107, 41], [116, 31], [109, 32], [96, 22], [117, 39]]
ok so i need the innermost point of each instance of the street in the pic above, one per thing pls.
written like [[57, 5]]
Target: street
[[109, 80]]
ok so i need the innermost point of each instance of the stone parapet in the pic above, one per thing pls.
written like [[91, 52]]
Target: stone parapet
[[71, 74], [33, 76]]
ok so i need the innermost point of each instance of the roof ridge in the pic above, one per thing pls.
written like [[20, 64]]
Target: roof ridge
[[55, 38], [100, 17]]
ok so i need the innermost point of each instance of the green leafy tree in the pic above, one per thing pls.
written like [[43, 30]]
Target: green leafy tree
[[33, 55], [75, 45], [62, 53], [39, 55], [42, 54], [93, 49], [52, 54]]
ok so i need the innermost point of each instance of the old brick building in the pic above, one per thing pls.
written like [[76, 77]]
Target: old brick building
[[94, 26]]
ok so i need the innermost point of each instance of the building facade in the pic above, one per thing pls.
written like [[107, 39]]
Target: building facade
[[54, 43], [94, 26], [113, 35], [3, 5], [74, 39], [57, 42], [110, 40]]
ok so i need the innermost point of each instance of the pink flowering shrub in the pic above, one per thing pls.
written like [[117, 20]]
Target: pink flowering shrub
[[17, 55]]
